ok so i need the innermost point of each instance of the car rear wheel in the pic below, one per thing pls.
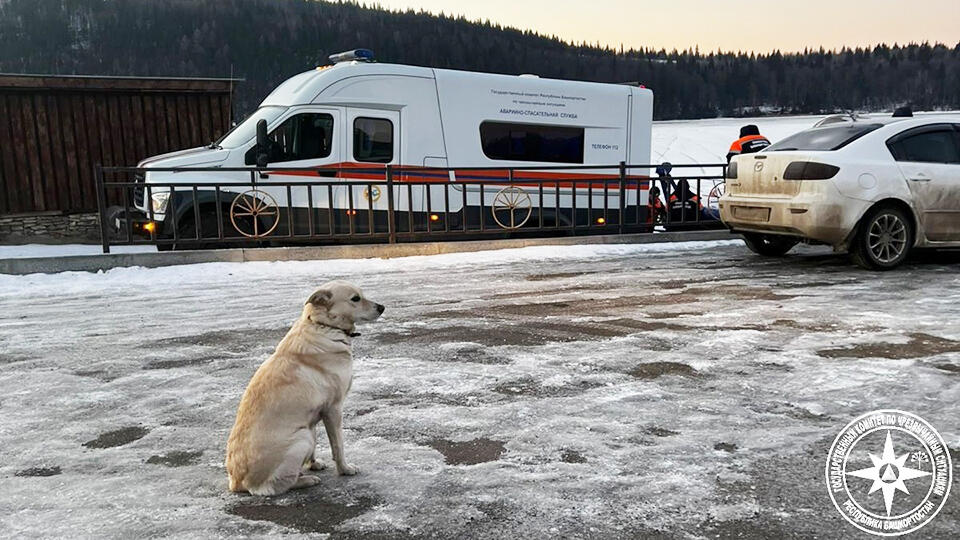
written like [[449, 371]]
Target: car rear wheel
[[769, 245], [883, 240]]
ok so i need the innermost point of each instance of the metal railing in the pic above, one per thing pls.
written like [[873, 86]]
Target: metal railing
[[196, 207]]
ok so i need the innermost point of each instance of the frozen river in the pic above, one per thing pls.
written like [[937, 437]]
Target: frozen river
[[666, 391]]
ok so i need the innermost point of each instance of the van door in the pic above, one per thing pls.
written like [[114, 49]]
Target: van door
[[307, 137], [929, 158], [373, 142]]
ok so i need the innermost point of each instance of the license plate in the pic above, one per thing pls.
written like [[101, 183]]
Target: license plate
[[751, 213]]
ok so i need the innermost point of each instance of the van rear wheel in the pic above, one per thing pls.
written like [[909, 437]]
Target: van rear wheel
[[883, 239], [769, 245]]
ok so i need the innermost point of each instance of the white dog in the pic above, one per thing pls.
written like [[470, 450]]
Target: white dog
[[273, 440]]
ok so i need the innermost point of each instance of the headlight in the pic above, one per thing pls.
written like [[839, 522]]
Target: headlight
[[160, 201]]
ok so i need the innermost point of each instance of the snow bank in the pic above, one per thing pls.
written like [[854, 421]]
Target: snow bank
[[65, 250], [76, 282]]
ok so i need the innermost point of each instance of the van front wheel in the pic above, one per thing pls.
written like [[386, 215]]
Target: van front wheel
[[883, 240], [769, 245], [208, 237]]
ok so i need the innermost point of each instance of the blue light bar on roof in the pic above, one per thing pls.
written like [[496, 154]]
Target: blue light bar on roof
[[360, 55]]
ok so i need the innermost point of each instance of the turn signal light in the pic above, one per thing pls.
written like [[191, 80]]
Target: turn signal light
[[601, 221], [434, 217], [809, 170], [150, 227]]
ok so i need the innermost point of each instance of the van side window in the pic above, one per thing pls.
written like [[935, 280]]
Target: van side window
[[302, 136], [372, 140], [935, 146], [529, 142]]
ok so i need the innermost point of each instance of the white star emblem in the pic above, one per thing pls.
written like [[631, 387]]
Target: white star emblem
[[888, 473]]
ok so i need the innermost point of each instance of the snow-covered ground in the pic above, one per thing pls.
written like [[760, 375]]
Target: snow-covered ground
[[660, 391], [707, 141], [65, 250]]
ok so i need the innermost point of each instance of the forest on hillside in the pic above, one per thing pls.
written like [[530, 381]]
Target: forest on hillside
[[266, 41]]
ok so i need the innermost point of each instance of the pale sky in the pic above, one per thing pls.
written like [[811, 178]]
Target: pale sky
[[731, 25]]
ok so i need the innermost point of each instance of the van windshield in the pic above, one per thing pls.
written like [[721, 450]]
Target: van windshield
[[824, 138], [246, 130]]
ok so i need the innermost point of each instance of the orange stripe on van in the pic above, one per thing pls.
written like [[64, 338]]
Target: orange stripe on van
[[441, 176]]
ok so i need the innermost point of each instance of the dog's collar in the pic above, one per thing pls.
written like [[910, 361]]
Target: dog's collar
[[345, 332], [348, 334]]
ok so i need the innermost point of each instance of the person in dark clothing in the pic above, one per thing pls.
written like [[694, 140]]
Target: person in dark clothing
[[750, 141]]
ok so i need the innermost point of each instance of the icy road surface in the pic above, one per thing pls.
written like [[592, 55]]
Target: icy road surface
[[666, 391]]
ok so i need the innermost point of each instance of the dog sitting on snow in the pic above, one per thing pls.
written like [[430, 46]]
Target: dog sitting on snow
[[272, 443]]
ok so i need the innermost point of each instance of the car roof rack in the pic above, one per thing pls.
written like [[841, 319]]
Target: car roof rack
[[840, 118]]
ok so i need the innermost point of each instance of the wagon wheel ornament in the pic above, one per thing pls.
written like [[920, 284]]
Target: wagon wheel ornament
[[514, 202], [713, 198], [254, 213]]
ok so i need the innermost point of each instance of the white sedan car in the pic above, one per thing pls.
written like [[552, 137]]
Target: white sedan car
[[873, 187]]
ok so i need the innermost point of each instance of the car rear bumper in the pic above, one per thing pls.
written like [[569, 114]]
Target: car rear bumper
[[814, 217]]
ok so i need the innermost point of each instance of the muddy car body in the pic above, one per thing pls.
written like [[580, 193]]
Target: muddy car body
[[875, 187]]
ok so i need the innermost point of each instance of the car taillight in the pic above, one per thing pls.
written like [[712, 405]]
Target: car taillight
[[809, 170], [732, 170]]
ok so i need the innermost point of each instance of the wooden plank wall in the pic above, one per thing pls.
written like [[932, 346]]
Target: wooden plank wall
[[53, 134]]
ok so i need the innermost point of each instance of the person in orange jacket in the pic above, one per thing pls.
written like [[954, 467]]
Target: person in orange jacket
[[750, 141]]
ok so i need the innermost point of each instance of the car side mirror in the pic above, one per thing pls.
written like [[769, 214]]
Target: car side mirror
[[263, 156]]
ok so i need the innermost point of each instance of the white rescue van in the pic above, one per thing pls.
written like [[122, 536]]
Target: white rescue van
[[358, 114]]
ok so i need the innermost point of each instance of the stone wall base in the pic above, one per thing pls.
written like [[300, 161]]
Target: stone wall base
[[49, 228]]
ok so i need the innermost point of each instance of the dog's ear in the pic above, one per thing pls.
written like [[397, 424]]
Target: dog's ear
[[320, 298]]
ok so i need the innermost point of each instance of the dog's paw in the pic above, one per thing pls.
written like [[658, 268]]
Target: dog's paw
[[347, 470], [305, 481], [317, 466]]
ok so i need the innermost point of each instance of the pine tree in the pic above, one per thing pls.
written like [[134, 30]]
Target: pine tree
[[267, 41]]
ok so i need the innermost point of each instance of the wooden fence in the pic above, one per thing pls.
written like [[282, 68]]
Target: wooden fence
[[54, 130]]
